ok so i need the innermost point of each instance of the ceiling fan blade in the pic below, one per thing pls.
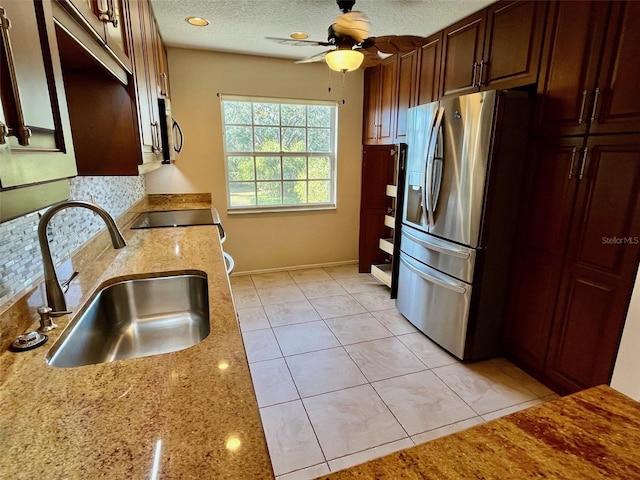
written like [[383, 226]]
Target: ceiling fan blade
[[371, 58], [299, 43], [393, 43], [318, 57]]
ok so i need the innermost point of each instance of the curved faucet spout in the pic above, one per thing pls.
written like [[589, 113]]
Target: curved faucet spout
[[55, 295]]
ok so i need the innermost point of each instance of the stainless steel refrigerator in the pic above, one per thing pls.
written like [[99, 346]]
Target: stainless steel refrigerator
[[463, 176]]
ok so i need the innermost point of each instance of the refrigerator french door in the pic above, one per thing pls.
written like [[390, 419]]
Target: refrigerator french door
[[465, 160]]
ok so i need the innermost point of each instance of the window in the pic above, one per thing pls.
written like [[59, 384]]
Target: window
[[280, 154]]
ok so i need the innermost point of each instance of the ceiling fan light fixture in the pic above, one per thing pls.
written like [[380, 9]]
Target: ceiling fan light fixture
[[197, 21], [299, 35], [344, 60]]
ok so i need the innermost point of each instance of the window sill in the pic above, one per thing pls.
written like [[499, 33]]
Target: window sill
[[285, 209]]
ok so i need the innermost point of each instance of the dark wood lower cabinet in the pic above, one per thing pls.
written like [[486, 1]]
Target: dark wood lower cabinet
[[576, 259]]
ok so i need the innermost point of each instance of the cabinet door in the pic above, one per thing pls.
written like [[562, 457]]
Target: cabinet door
[[512, 44], [406, 97], [107, 22], [388, 91], [371, 102], [377, 173], [600, 267], [145, 81], [163, 65], [116, 33], [462, 54], [617, 109], [572, 52], [545, 215], [39, 146], [429, 70], [89, 11]]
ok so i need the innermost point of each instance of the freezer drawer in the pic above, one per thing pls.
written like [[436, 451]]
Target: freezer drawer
[[437, 304], [450, 258]]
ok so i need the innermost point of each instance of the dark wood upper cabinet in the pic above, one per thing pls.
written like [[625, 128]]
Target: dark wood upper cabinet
[[513, 43], [406, 97], [617, 107], [371, 102], [96, 95], [461, 55], [380, 102], [429, 59], [590, 73], [35, 134], [107, 21], [164, 88], [600, 265], [498, 47], [572, 52], [145, 82]]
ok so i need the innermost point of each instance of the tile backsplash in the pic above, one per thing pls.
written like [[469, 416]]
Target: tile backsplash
[[20, 260]]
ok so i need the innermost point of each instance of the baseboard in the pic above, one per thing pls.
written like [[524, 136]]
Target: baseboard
[[295, 267]]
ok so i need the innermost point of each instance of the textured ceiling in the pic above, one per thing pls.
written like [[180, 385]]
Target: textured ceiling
[[239, 26]]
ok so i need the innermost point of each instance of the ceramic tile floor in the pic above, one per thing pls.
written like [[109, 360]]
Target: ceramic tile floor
[[341, 377]]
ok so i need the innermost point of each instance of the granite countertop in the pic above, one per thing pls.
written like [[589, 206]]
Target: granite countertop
[[193, 413], [593, 434], [186, 414]]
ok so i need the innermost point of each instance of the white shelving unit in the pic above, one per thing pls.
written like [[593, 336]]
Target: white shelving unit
[[383, 271]]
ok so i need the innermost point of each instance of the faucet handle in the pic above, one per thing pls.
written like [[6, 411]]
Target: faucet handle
[[46, 323]]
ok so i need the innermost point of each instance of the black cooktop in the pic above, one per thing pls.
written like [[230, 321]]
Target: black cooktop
[[173, 218]]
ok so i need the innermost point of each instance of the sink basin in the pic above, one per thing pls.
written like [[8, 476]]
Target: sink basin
[[136, 318]]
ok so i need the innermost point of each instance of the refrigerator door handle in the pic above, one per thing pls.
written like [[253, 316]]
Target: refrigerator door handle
[[425, 169], [429, 167], [455, 287], [438, 248]]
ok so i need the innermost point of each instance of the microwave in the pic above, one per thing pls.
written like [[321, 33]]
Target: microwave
[[170, 132]]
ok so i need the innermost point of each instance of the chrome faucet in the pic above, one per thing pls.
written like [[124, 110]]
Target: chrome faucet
[[55, 294]]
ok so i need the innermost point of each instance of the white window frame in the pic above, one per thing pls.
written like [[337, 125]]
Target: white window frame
[[330, 205]]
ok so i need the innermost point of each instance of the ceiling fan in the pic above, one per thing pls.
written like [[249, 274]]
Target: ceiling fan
[[352, 46]]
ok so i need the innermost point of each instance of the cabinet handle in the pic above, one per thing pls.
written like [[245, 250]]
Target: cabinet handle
[[596, 97], [164, 85], [480, 76], [573, 159], [379, 131], [584, 162], [475, 73], [582, 106], [107, 12], [23, 133], [156, 147], [103, 10], [113, 13]]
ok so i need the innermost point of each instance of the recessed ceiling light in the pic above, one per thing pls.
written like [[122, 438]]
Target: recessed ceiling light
[[197, 21], [299, 35]]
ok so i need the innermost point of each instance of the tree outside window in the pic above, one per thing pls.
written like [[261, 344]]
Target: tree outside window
[[280, 154]]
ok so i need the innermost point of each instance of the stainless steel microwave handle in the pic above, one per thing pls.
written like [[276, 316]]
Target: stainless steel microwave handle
[[455, 287], [438, 248]]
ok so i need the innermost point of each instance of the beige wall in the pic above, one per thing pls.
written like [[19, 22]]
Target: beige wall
[[269, 240]]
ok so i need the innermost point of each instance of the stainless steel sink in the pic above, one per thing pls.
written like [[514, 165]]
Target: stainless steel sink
[[136, 318]]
